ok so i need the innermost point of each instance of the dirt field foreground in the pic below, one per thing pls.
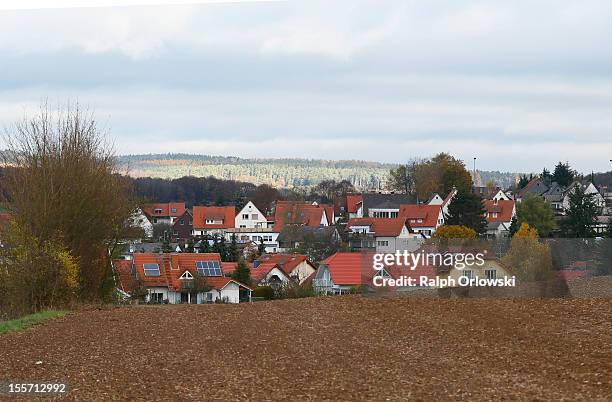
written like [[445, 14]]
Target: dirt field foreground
[[342, 348]]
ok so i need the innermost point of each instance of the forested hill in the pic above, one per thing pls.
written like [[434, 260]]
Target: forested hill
[[280, 173], [284, 173]]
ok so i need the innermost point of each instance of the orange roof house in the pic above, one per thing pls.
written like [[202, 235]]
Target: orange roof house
[[295, 266], [170, 210], [499, 210], [211, 218], [168, 275], [353, 202], [381, 227], [303, 214], [345, 270], [422, 216]]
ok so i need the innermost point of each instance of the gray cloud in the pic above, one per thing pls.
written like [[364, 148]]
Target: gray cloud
[[521, 85]]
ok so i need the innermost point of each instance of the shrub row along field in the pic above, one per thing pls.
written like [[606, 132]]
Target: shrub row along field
[[344, 348]]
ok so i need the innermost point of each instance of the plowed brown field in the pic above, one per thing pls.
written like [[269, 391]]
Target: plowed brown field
[[342, 348]]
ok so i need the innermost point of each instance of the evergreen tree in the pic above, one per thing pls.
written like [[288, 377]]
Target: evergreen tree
[[581, 215], [523, 181], [219, 246], [205, 245], [563, 174], [546, 177], [514, 226], [242, 273], [466, 209], [166, 247], [190, 246], [232, 251]]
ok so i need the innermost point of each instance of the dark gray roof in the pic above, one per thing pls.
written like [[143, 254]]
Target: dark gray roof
[[292, 233], [386, 201]]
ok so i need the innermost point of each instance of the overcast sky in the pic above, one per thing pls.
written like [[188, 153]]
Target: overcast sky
[[518, 84]]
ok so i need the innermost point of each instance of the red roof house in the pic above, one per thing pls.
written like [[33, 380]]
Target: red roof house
[[213, 219], [302, 213]]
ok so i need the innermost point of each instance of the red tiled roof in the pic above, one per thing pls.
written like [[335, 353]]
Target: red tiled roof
[[358, 268], [228, 267], [346, 268], [259, 273], [166, 209], [225, 214], [352, 202], [173, 265], [421, 215], [124, 273], [503, 208], [387, 227], [286, 262], [300, 213]]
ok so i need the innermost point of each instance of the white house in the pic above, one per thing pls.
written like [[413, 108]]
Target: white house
[[250, 217], [588, 188], [256, 235], [169, 278], [382, 234]]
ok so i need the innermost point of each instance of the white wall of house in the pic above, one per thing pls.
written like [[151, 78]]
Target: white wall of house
[[274, 272], [436, 200], [270, 238], [210, 232], [166, 294], [480, 271], [251, 217], [383, 212], [358, 214], [302, 271], [501, 196], [162, 220], [591, 189]]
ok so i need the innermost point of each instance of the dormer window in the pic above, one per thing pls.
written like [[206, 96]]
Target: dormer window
[[157, 211], [151, 269], [173, 210]]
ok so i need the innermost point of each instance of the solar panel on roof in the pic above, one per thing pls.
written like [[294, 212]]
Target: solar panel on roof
[[208, 268]]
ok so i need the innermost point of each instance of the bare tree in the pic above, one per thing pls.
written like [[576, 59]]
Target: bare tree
[[65, 185]]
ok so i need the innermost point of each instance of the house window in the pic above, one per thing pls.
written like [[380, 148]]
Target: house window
[[394, 214], [173, 210], [245, 216], [209, 297], [468, 273], [182, 222], [151, 269], [158, 211], [156, 297], [243, 226], [154, 220], [176, 232], [254, 217], [491, 273], [382, 243]]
